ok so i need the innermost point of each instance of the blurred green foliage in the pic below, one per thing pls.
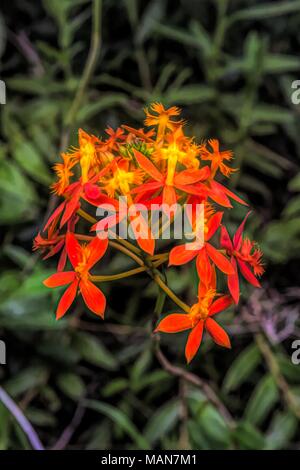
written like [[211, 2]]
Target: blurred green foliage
[[230, 65]]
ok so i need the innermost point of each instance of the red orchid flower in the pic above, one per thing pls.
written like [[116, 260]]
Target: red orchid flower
[[244, 255], [89, 191], [184, 253], [54, 243], [82, 258], [198, 319], [182, 181]]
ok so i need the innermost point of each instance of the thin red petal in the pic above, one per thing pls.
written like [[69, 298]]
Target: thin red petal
[[147, 187], [71, 207], [180, 255], [174, 323], [191, 176], [97, 249], [217, 333], [93, 297], [73, 249], [197, 189], [233, 282], [220, 260], [55, 214], [60, 279], [148, 166], [62, 260], [218, 195], [143, 234], [56, 248], [194, 341], [213, 224], [205, 272], [238, 237], [247, 273], [147, 245], [220, 304], [228, 193], [67, 299], [225, 240]]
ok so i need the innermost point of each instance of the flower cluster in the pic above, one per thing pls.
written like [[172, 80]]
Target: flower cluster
[[161, 166]]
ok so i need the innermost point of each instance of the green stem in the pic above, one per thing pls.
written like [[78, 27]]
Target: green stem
[[271, 360], [90, 63], [127, 252], [129, 273], [170, 293]]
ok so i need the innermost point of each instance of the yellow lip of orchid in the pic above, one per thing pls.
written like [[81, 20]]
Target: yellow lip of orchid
[[200, 310], [122, 180], [87, 152]]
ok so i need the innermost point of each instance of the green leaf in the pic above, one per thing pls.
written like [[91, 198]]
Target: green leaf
[[153, 13], [114, 387], [39, 417], [94, 352], [271, 113], [248, 437], [280, 63], [5, 420], [179, 35], [294, 183], [281, 240], [267, 10], [120, 419], [214, 427], [139, 368], [162, 421], [18, 197], [290, 371], [31, 161], [241, 368], [197, 436], [281, 431], [189, 94], [292, 208], [104, 102], [27, 379], [251, 184], [255, 160], [71, 385], [262, 400], [17, 254]]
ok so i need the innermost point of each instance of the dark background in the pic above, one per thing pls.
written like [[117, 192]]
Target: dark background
[[230, 65]]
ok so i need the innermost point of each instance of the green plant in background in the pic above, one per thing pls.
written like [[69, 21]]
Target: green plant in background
[[231, 64]]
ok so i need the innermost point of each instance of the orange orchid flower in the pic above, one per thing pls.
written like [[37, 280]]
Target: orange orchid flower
[[161, 165], [82, 258], [184, 253], [64, 173], [162, 118], [182, 181], [217, 158], [198, 319]]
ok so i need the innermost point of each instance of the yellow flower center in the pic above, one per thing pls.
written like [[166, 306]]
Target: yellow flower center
[[81, 268], [172, 154], [87, 159], [200, 310]]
